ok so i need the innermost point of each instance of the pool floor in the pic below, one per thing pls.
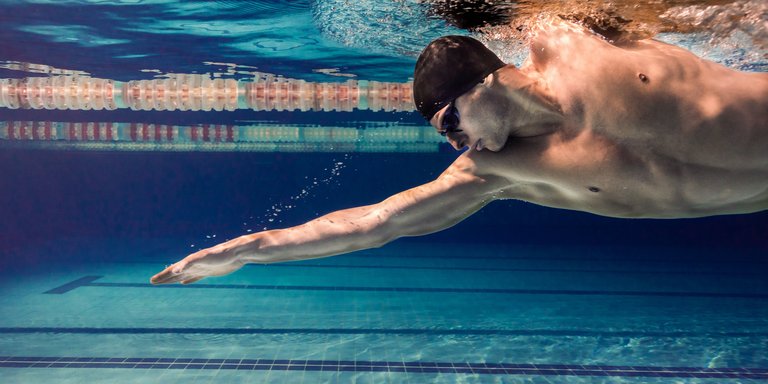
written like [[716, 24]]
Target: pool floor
[[410, 312]]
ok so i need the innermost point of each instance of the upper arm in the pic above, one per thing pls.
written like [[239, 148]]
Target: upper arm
[[456, 194]]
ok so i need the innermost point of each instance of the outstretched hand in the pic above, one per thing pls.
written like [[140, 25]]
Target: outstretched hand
[[215, 261]]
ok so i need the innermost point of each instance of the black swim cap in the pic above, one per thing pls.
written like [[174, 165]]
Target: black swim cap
[[447, 68]]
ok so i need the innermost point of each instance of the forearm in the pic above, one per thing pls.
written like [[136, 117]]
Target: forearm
[[335, 233]]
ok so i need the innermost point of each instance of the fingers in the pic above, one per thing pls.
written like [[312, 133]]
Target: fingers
[[170, 275], [174, 279]]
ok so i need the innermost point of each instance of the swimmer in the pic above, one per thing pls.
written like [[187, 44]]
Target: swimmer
[[638, 130]]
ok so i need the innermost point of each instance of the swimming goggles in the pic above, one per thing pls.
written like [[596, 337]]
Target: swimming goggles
[[451, 120]]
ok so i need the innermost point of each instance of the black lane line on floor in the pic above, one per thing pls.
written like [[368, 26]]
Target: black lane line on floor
[[685, 272], [378, 331], [382, 366], [81, 282], [491, 269], [758, 259], [88, 282]]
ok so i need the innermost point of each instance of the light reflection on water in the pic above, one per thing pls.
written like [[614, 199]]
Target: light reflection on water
[[734, 33]]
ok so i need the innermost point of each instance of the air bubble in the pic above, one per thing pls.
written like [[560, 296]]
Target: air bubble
[[273, 214]]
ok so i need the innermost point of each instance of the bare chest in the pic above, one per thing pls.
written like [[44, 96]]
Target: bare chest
[[591, 172], [665, 100]]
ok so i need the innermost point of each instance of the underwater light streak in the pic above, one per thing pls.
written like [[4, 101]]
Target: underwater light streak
[[190, 92]]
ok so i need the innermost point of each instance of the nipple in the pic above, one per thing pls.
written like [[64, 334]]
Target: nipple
[[644, 78]]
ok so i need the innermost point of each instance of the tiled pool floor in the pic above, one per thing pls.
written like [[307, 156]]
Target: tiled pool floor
[[405, 313]]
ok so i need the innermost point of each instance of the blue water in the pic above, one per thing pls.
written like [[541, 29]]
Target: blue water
[[515, 293]]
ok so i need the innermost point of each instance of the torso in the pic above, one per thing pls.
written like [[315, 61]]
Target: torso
[[651, 131]]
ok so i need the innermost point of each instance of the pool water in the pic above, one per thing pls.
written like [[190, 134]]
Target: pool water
[[516, 293]]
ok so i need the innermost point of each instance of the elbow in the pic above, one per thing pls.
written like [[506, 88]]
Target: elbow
[[365, 239], [381, 230], [380, 243]]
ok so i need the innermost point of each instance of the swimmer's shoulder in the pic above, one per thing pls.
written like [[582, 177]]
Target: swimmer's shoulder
[[482, 164], [562, 41], [517, 157]]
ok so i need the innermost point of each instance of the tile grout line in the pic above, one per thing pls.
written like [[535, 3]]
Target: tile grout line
[[382, 366]]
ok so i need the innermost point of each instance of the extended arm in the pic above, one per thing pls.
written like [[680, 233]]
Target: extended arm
[[428, 208]]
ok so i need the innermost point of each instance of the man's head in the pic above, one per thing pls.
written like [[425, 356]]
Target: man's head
[[447, 68], [472, 98]]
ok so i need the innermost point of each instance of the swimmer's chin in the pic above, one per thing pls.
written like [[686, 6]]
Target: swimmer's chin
[[478, 145], [481, 146]]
